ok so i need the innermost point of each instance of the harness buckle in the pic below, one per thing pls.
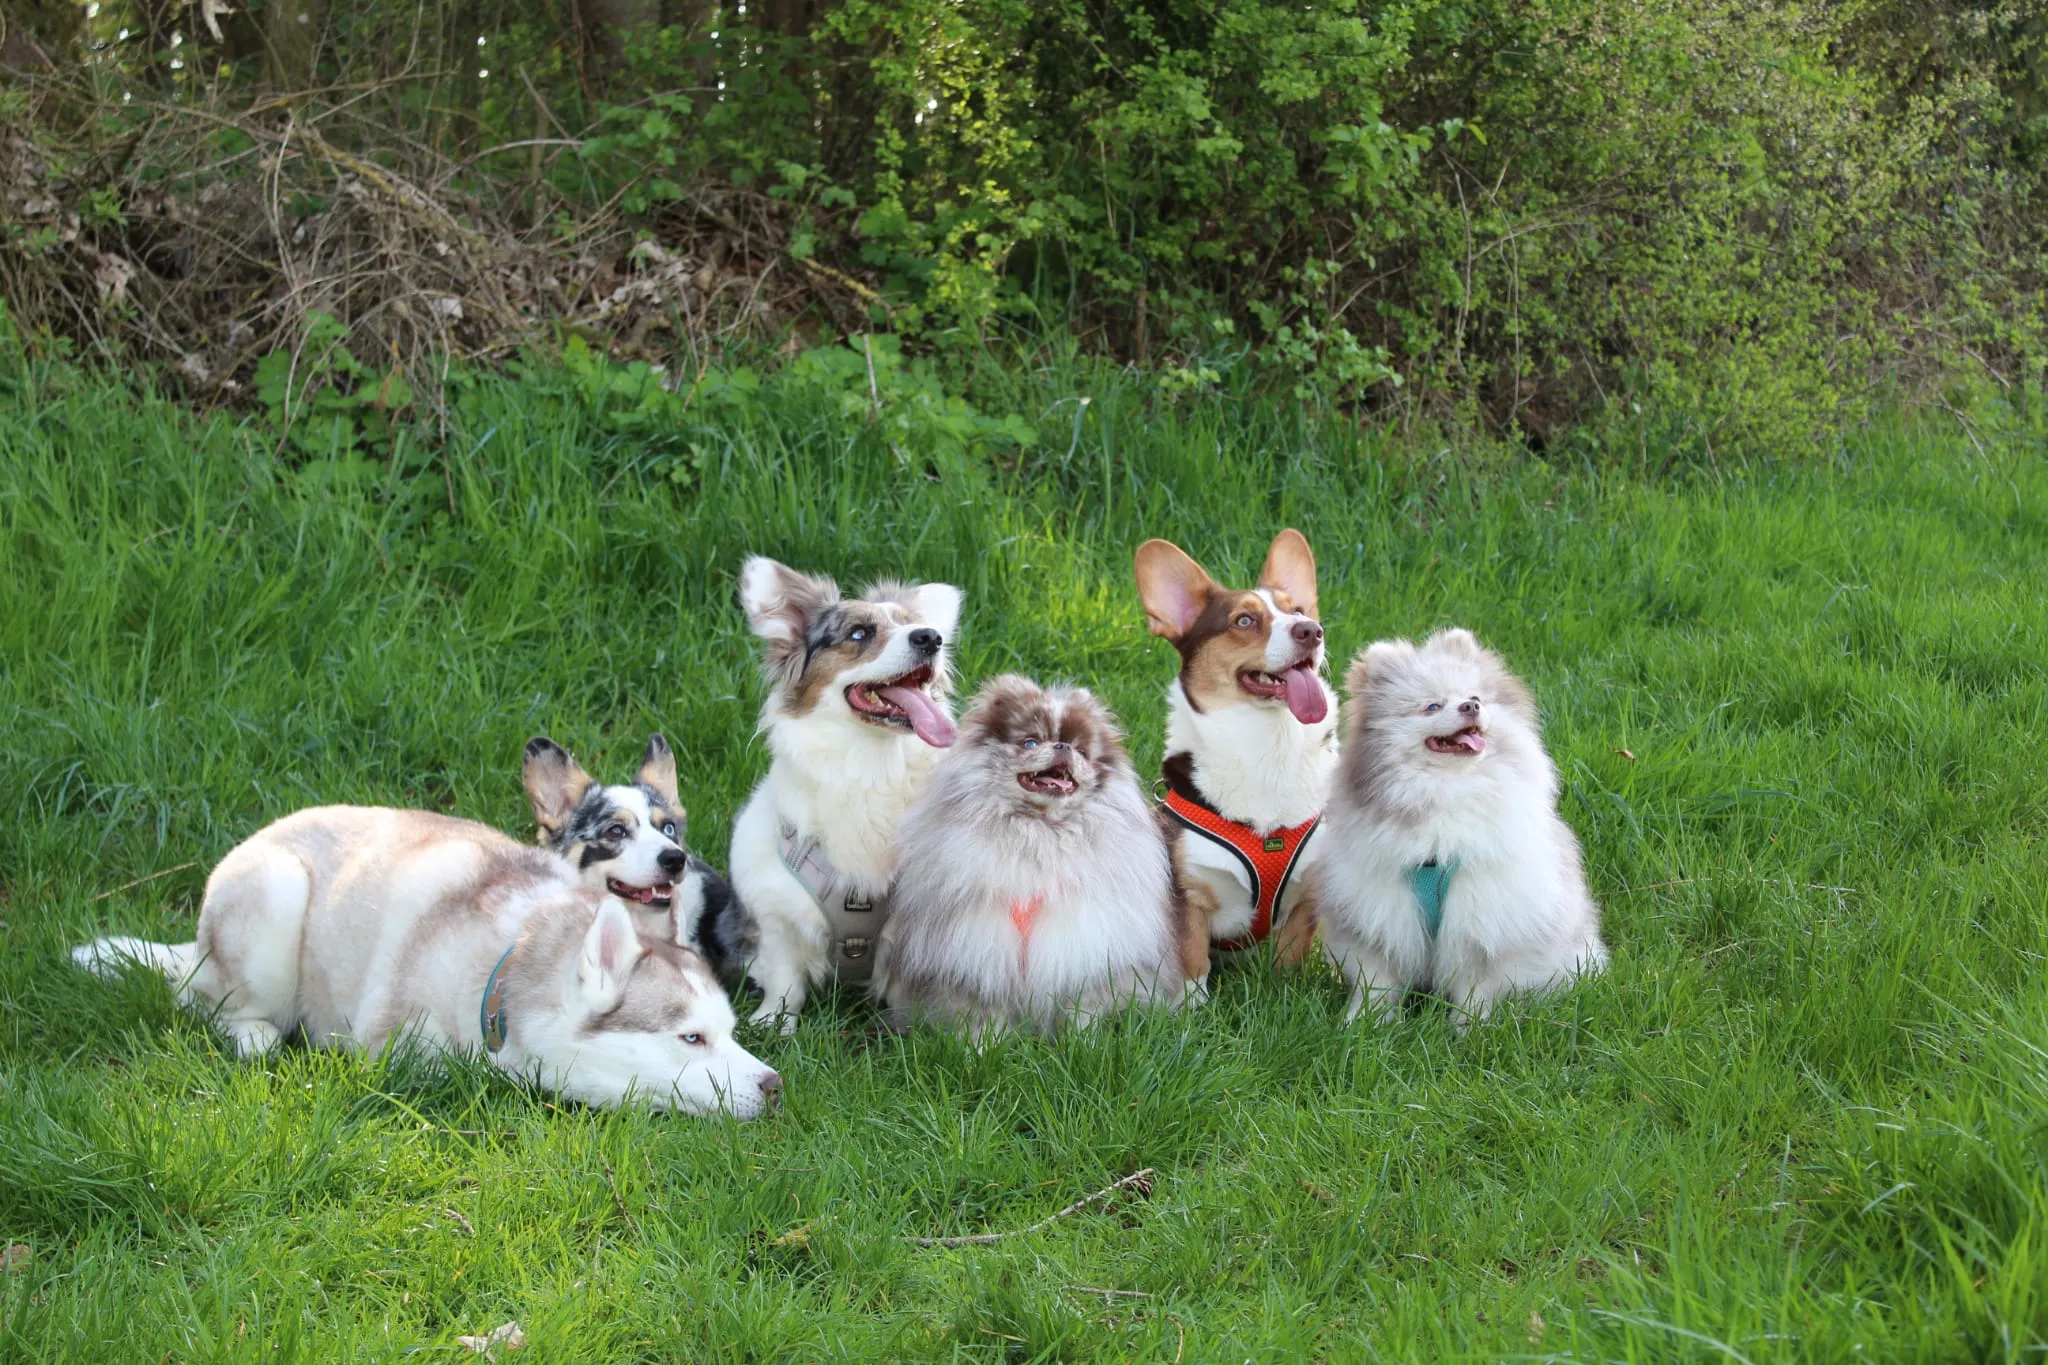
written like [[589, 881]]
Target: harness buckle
[[854, 949], [859, 905]]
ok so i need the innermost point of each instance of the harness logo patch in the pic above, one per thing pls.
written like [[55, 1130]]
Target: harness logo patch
[[1275, 844]]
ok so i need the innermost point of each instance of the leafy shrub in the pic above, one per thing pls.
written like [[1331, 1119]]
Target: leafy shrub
[[1762, 217], [674, 422]]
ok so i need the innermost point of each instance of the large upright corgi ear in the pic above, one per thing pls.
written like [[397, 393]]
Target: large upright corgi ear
[[782, 605], [658, 772], [610, 949], [1173, 588], [1291, 568], [553, 783]]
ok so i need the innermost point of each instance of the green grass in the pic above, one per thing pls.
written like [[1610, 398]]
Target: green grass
[[1801, 1117]]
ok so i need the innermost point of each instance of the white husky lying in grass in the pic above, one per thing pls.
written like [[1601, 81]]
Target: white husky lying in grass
[[353, 923]]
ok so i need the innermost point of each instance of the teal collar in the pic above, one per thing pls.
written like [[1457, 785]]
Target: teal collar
[[1431, 883], [490, 1015]]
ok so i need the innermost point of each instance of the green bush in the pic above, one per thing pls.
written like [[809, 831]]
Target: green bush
[[1766, 218], [1520, 211]]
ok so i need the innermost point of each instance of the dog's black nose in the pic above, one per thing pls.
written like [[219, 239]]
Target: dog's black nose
[[771, 1090], [673, 860], [925, 640], [1307, 633], [1469, 707]]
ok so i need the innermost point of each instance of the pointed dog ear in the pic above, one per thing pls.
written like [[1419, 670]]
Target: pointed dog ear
[[610, 949], [1173, 588], [782, 605], [553, 783], [1376, 660], [1456, 640], [1291, 568], [658, 772]]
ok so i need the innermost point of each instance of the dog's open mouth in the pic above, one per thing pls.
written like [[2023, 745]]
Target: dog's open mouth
[[903, 701], [1470, 740], [1058, 780], [656, 896], [1297, 685]]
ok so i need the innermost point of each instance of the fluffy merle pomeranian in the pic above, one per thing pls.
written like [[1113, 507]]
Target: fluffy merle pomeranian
[[1447, 867], [1035, 885]]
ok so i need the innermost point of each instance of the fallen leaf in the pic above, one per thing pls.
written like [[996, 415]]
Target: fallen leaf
[[507, 1335], [1626, 754], [15, 1257]]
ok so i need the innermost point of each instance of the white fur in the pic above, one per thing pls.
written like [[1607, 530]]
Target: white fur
[[638, 864], [355, 924], [832, 776], [1517, 918]]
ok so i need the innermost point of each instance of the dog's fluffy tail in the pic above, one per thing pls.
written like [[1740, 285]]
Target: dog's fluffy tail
[[108, 957]]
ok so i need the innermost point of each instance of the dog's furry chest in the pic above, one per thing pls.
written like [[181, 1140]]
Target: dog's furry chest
[[1012, 910], [851, 803], [1255, 765]]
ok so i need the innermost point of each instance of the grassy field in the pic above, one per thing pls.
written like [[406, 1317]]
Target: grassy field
[[1797, 713]]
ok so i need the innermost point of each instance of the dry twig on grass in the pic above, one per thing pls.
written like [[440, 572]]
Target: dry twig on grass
[[130, 886], [1138, 1182]]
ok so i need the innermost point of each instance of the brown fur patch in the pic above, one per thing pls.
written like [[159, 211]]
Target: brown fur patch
[[1195, 908], [554, 782], [1012, 708], [1217, 649], [832, 651], [1298, 935]]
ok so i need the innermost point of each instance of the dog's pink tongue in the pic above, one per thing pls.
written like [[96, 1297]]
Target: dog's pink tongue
[[933, 726], [1472, 740], [1305, 695]]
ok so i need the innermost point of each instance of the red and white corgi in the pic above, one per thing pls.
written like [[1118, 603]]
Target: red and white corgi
[[1251, 738]]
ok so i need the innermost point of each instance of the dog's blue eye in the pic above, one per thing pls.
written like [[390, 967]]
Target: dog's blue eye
[[669, 829], [1245, 622], [1031, 743], [693, 1039], [858, 633], [1432, 708]]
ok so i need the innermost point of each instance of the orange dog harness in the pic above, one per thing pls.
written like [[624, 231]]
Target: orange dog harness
[[1268, 859]]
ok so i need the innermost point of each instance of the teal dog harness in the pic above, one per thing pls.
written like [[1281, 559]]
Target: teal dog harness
[[1431, 883]]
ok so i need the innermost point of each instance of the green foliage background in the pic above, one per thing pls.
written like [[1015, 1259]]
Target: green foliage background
[[1767, 218]]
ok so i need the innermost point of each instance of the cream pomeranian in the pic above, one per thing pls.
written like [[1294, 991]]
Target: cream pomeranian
[[1035, 885], [1447, 867]]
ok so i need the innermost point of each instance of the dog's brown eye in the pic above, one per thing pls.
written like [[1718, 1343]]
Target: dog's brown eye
[[693, 1039], [1246, 621], [615, 832]]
